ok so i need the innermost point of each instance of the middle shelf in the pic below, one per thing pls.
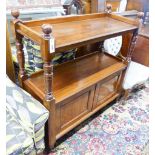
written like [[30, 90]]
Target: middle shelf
[[77, 75]]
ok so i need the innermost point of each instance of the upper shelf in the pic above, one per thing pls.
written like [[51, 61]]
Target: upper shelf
[[71, 31]]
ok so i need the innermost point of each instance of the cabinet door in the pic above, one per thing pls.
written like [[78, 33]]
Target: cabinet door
[[105, 90], [75, 108]]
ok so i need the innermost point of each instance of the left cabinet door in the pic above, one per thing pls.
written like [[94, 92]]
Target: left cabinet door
[[75, 109]]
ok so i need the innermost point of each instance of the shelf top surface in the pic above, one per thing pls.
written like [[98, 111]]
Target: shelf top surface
[[74, 76], [73, 32]]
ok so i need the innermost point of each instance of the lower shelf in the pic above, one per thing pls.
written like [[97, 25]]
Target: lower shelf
[[73, 77]]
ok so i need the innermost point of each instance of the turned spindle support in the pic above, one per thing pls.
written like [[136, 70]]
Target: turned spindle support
[[19, 47], [49, 100], [48, 67], [134, 37], [108, 8]]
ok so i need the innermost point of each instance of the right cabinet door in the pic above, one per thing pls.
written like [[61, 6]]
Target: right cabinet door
[[106, 91]]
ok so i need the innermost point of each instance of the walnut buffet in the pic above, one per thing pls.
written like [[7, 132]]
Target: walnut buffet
[[75, 90]]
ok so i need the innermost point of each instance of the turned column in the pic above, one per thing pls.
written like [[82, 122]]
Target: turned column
[[19, 47], [134, 37], [131, 49], [49, 100], [48, 66]]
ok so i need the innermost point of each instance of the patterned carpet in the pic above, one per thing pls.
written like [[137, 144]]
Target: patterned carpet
[[121, 129]]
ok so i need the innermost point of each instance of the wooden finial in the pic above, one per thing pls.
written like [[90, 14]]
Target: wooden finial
[[15, 13], [109, 8], [47, 30]]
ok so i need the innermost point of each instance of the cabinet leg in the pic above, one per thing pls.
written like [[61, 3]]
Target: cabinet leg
[[50, 128], [125, 96], [50, 138]]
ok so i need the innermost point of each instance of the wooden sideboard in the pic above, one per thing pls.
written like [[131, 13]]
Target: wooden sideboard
[[75, 90]]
